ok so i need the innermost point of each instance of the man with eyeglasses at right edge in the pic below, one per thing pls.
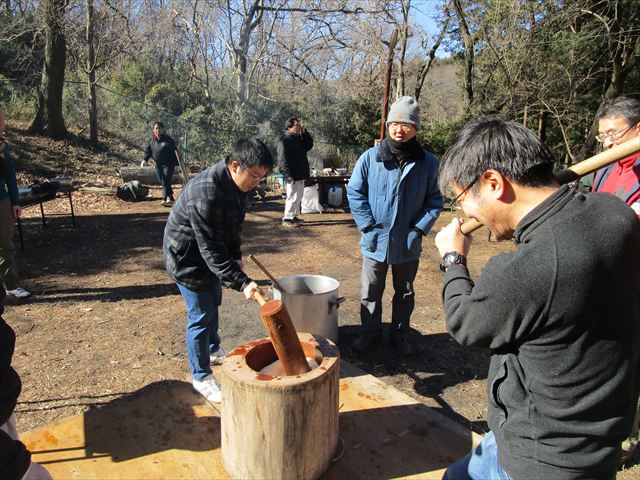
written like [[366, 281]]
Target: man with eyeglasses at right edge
[[618, 122]]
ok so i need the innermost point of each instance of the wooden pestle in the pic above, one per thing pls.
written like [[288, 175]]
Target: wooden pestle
[[283, 335]]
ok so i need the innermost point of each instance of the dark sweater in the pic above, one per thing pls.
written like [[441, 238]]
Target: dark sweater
[[292, 155], [14, 456], [202, 235], [561, 315], [163, 150]]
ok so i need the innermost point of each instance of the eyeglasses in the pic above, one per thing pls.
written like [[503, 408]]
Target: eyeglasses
[[465, 190], [404, 126], [601, 137], [253, 175]]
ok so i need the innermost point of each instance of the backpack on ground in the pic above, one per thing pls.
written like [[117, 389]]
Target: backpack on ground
[[132, 191]]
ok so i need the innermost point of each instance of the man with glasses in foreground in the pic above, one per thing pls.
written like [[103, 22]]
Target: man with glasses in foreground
[[557, 313], [202, 251], [618, 122], [394, 199]]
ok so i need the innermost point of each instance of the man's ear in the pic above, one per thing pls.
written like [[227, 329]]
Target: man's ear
[[234, 166], [494, 184]]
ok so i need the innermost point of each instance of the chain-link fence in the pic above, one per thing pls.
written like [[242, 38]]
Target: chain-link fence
[[201, 144]]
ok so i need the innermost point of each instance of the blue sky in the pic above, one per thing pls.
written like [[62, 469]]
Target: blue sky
[[423, 12]]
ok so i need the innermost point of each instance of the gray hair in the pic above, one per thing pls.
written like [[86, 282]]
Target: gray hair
[[625, 107], [505, 146]]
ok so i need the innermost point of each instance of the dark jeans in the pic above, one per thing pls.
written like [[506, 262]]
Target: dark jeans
[[372, 283], [202, 337], [164, 174]]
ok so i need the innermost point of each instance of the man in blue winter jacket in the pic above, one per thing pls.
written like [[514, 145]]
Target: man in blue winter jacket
[[394, 198]]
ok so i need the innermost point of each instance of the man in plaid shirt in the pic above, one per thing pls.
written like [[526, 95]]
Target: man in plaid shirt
[[202, 251]]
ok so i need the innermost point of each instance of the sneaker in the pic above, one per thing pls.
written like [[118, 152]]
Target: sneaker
[[217, 357], [166, 203], [366, 340], [288, 223], [297, 220], [19, 292], [628, 451], [208, 388]]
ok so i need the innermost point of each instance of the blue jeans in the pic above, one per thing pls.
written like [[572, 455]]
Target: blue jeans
[[480, 464], [202, 327], [164, 174]]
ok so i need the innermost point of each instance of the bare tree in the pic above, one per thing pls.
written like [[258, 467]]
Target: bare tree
[[108, 37], [470, 39], [48, 117], [426, 65], [621, 22]]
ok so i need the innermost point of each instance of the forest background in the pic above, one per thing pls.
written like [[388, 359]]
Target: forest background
[[214, 70]]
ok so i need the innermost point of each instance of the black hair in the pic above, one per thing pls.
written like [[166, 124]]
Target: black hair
[[251, 152], [290, 122], [159, 124], [505, 146], [625, 107]]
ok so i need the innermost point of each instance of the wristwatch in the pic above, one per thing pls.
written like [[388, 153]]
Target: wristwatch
[[452, 258]]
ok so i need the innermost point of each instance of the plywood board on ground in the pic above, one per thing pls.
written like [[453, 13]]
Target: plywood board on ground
[[166, 430]]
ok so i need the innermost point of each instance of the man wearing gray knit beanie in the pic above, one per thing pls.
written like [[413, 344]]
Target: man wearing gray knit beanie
[[395, 200]]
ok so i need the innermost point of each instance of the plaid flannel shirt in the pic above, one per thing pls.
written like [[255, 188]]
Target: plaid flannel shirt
[[202, 236]]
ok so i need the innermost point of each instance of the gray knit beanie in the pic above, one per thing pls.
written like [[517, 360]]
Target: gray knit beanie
[[405, 110]]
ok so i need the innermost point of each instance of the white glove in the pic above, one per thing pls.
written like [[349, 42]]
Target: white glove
[[144, 163]]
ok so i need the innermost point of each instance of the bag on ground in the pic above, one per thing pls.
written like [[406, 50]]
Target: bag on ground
[[132, 191]]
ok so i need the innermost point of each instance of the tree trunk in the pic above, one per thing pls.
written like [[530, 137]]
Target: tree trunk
[[469, 57], [56, 59], [542, 126], [49, 116], [251, 20], [404, 38], [432, 54], [91, 82], [624, 52]]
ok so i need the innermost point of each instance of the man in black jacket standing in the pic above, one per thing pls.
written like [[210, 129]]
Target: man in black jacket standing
[[560, 314], [294, 167], [163, 150], [15, 459], [202, 251]]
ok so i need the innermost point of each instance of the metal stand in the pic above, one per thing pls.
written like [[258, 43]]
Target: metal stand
[[66, 193]]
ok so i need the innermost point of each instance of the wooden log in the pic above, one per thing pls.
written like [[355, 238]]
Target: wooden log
[[146, 175], [280, 328], [279, 427]]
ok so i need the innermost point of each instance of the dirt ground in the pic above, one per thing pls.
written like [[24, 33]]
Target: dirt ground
[[105, 320]]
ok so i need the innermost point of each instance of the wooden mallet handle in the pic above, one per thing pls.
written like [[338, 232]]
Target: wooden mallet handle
[[259, 298], [578, 170], [266, 272]]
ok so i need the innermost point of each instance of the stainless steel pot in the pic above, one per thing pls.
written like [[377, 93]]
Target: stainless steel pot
[[312, 302]]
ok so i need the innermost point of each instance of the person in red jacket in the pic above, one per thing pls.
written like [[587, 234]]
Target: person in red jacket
[[618, 122], [15, 459]]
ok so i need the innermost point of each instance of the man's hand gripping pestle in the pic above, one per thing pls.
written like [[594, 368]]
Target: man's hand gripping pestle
[[283, 335]]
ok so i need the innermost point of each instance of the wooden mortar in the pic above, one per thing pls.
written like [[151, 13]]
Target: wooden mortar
[[279, 427]]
